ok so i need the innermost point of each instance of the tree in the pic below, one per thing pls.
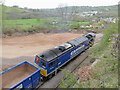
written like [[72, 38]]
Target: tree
[[63, 11], [73, 12], [64, 14]]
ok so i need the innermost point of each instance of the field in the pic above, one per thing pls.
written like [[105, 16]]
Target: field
[[41, 23], [26, 23]]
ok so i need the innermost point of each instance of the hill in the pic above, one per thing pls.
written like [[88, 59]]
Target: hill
[[16, 12], [61, 19]]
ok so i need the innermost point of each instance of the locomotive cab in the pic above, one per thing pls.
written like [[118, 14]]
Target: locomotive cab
[[48, 61], [42, 65]]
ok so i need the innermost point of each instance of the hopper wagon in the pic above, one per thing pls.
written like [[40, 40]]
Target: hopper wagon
[[24, 75]]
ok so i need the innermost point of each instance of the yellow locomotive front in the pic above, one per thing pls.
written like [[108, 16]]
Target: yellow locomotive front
[[42, 65]]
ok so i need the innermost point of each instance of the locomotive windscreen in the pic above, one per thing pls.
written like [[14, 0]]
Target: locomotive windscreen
[[43, 64]]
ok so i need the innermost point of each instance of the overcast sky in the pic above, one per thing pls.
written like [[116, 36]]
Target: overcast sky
[[56, 3]]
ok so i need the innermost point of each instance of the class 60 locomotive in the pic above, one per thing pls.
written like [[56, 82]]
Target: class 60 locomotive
[[50, 61], [46, 64]]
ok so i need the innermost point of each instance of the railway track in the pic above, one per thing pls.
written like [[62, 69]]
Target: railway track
[[72, 72], [39, 85], [71, 66]]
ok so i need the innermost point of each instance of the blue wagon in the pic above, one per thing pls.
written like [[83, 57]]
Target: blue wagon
[[24, 75]]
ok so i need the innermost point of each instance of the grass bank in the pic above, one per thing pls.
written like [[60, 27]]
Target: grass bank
[[105, 72]]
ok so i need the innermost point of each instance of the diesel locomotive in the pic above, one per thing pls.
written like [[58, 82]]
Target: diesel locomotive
[[51, 60]]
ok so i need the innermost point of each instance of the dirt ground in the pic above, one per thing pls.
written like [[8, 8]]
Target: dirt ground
[[33, 44]]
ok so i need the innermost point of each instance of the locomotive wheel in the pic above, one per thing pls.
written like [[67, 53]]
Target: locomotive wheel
[[45, 78], [50, 76]]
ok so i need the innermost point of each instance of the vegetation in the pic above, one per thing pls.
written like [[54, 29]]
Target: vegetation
[[105, 72], [25, 23], [106, 40], [69, 80], [28, 25], [37, 25], [76, 25]]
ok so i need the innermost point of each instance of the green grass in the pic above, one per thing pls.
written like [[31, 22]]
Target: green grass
[[29, 23], [26, 23], [80, 23], [106, 70], [76, 25], [22, 23], [106, 39], [84, 22], [69, 81]]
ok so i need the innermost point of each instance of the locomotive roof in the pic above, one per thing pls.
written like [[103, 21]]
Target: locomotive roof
[[54, 52], [78, 40]]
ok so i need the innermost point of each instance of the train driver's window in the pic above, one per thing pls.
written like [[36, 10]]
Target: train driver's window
[[51, 64], [43, 64], [88, 37]]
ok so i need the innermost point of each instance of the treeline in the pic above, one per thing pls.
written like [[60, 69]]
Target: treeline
[[16, 12]]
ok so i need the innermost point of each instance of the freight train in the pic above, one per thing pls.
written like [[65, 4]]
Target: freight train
[[46, 64]]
